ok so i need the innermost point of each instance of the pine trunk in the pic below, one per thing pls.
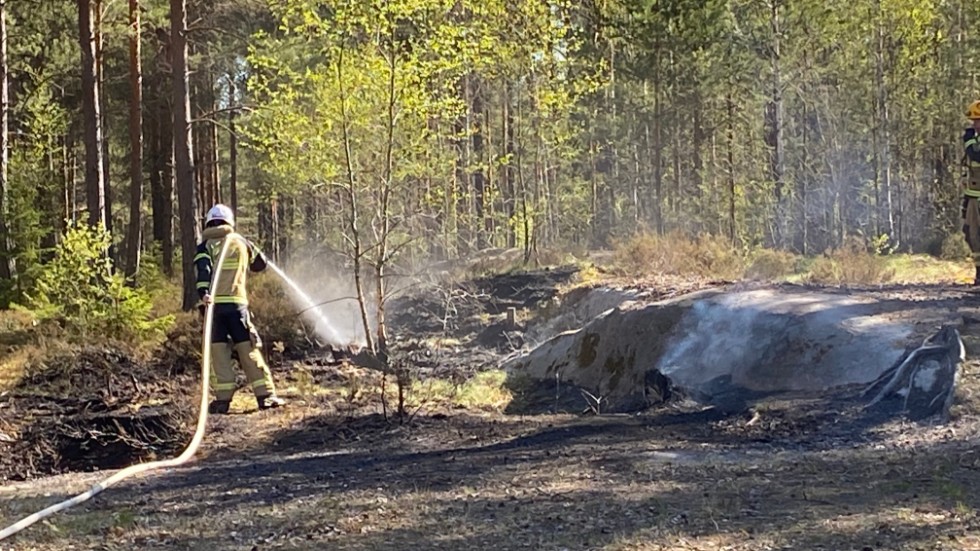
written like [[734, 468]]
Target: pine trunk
[[190, 231], [135, 234], [94, 175], [233, 160], [482, 223]]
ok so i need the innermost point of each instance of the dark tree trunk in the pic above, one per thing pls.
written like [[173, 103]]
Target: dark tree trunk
[[214, 172], [68, 170], [156, 160], [168, 244], [730, 135], [699, 149], [510, 186], [94, 176], [658, 149], [48, 201], [775, 128], [135, 234], [461, 177], [233, 160], [482, 222], [190, 230], [198, 144]]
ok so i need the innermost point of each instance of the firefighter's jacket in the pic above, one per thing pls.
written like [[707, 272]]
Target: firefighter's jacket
[[971, 157], [241, 257]]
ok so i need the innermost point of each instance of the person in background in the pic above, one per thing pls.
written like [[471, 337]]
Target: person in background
[[971, 186], [231, 328]]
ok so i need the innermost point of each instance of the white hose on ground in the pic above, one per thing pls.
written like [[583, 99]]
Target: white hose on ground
[[144, 467]]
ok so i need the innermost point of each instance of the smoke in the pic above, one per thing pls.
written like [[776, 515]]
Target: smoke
[[772, 340]]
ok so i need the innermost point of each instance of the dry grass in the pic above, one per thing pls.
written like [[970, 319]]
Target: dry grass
[[16, 346], [851, 263], [925, 269], [676, 254], [769, 264]]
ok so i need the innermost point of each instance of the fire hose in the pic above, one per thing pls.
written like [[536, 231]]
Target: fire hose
[[154, 465]]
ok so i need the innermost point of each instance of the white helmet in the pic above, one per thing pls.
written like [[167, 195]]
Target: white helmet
[[221, 212]]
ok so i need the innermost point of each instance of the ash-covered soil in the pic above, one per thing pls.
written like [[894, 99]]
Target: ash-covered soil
[[330, 472], [94, 408]]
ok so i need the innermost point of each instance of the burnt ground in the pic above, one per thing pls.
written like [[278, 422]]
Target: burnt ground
[[330, 473]]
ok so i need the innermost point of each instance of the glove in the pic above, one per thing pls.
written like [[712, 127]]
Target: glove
[[969, 134], [259, 262], [203, 306]]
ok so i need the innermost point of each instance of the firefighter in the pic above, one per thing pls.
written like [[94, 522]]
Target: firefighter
[[971, 188], [231, 328]]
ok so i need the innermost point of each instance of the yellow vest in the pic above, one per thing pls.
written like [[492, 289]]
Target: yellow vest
[[233, 272]]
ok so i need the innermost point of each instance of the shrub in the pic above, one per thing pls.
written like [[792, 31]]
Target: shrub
[[954, 247], [79, 292], [771, 264], [181, 350], [677, 254], [851, 264], [165, 293], [277, 318]]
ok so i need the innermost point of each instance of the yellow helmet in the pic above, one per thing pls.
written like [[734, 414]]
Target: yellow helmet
[[973, 111]]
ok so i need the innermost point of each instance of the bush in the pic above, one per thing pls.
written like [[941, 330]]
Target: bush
[[276, 317], [677, 254], [852, 263], [79, 292], [954, 247], [166, 293], [771, 264]]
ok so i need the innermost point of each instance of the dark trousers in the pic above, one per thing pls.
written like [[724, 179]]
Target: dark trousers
[[232, 321]]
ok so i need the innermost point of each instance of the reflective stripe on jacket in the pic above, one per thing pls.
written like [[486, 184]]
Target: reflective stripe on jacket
[[241, 257], [971, 160]]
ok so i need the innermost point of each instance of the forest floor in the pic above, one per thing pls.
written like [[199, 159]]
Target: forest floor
[[330, 472]]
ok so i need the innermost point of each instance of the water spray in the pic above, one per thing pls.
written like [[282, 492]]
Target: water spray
[[322, 325]]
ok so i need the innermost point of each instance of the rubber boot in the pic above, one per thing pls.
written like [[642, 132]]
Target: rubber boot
[[976, 277], [219, 407]]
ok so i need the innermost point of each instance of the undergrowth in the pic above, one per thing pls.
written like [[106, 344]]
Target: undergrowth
[[483, 391], [676, 254], [80, 296], [853, 263], [275, 315]]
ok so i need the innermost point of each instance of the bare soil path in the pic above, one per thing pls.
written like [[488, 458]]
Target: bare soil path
[[802, 474], [666, 480]]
